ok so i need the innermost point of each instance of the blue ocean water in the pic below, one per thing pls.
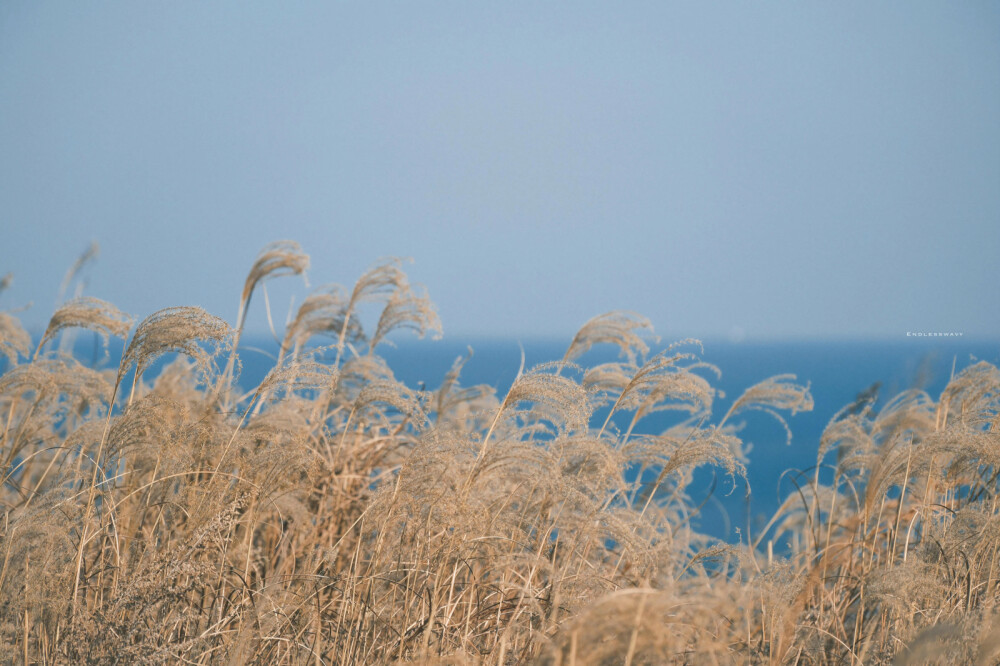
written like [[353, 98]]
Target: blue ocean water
[[836, 371]]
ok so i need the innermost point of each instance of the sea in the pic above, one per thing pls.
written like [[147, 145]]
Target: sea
[[837, 372]]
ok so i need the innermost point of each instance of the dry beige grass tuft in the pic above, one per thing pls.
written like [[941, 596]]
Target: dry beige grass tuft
[[333, 515]]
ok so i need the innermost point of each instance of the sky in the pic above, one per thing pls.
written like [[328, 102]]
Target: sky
[[751, 170]]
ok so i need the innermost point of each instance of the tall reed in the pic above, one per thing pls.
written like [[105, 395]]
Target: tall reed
[[158, 512]]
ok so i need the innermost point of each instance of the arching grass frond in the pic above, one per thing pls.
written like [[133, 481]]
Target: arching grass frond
[[92, 314], [621, 328], [176, 329], [14, 340]]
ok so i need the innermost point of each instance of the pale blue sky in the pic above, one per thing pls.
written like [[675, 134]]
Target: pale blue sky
[[791, 169]]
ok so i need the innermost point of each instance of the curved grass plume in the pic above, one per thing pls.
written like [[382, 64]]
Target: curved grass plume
[[158, 512]]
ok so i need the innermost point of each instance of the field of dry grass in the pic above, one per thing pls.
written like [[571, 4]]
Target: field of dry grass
[[156, 513]]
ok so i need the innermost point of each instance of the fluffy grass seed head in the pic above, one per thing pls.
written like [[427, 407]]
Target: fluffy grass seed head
[[323, 312], [91, 313], [407, 309], [14, 340], [283, 257], [774, 393], [624, 329], [177, 329]]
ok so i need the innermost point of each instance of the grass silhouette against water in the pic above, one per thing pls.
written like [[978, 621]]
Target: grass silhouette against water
[[333, 515]]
